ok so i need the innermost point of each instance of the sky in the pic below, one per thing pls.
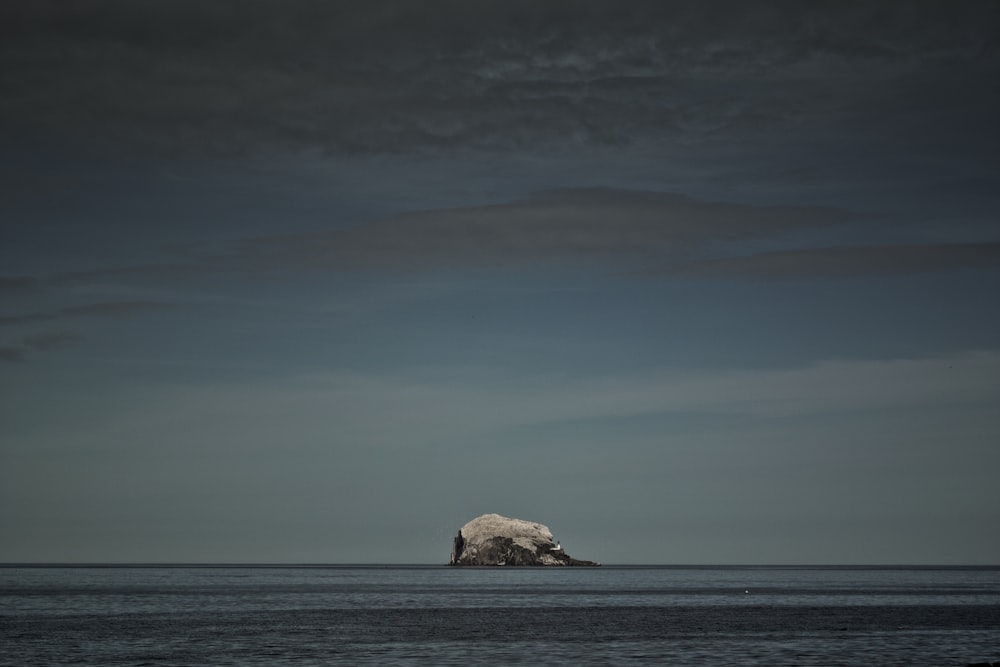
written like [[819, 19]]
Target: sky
[[319, 282]]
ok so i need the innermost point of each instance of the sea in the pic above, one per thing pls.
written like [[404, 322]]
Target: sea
[[440, 615]]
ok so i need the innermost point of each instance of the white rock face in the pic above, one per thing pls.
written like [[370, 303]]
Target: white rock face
[[492, 539], [525, 533]]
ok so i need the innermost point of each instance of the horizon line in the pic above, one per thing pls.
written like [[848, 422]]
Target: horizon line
[[292, 564]]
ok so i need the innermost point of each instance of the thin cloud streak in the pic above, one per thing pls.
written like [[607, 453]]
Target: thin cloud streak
[[582, 223], [12, 284], [586, 222], [12, 354], [52, 340], [849, 261], [39, 342], [101, 309]]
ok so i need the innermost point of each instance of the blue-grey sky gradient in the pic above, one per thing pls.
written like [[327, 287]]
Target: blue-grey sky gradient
[[321, 281]]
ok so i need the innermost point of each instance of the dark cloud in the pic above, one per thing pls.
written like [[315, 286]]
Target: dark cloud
[[570, 223], [9, 320], [52, 340], [112, 308], [17, 283], [40, 341], [12, 354], [230, 77], [103, 309], [850, 261]]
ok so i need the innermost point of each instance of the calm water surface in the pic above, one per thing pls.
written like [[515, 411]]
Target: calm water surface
[[441, 615]]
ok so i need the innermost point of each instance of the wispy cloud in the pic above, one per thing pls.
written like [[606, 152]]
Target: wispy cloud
[[17, 283], [39, 342], [113, 308], [102, 309], [8, 353], [52, 340], [588, 222], [850, 261]]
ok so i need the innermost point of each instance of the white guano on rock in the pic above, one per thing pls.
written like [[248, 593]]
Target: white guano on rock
[[492, 539]]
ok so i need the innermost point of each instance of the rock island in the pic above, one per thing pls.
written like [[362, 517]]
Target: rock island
[[492, 539]]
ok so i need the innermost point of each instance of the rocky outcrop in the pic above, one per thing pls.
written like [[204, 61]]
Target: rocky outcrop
[[492, 539]]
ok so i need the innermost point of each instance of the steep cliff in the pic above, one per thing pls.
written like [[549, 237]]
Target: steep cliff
[[492, 539]]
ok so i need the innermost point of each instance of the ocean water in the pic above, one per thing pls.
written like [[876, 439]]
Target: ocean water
[[438, 615]]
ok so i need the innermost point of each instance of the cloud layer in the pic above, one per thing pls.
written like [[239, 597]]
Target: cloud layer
[[389, 76]]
